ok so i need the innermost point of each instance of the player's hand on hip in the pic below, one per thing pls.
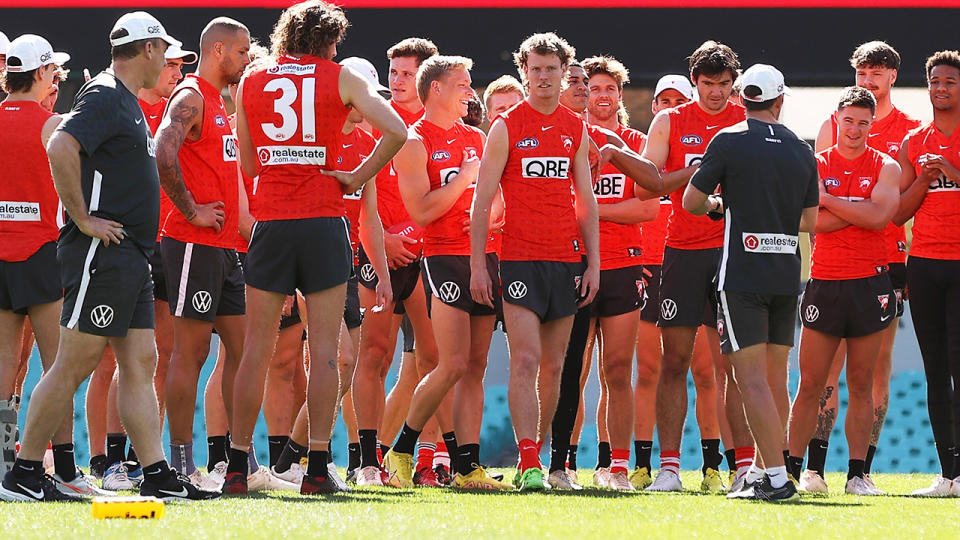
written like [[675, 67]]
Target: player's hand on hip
[[589, 285], [104, 229], [209, 215]]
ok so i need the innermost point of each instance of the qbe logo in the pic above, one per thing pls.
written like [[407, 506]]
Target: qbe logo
[[942, 184], [609, 186], [517, 290], [447, 175], [668, 309], [528, 143], [440, 155], [449, 292], [545, 167], [691, 140], [229, 148], [202, 301], [101, 316], [366, 273], [811, 313]]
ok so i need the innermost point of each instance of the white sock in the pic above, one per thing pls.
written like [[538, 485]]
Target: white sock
[[753, 474], [778, 476]]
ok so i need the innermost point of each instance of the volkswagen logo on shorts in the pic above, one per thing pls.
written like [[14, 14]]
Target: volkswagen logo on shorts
[[811, 313], [366, 272], [517, 290], [202, 301], [449, 292], [668, 309], [101, 316]]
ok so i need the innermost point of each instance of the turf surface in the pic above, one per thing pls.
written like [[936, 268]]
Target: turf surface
[[391, 513]]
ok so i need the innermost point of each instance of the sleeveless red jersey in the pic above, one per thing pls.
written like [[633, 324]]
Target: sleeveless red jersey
[[209, 166], [355, 147], [389, 204], [655, 234], [621, 245], [295, 116], [851, 252], [886, 135], [691, 129], [936, 225], [154, 115], [28, 200], [445, 148], [537, 185]]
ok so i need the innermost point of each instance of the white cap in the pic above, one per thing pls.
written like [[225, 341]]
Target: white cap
[[674, 82], [4, 43], [174, 52], [767, 78], [29, 52], [140, 25], [365, 69]]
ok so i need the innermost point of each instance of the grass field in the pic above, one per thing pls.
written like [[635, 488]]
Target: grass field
[[390, 513]]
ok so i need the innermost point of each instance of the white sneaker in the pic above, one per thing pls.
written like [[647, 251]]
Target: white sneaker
[[262, 480], [205, 481], [738, 483], [334, 475], [812, 482], [873, 487], [369, 476], [858, 486], [116, 479], [620, 481], [217, 476], [956, 487], [81, 486], [294, 474], [941, 487], [601, 477], [666, 480], [574, 479], [561, 480]]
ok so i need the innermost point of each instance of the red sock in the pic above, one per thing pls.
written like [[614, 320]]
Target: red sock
[[529, 455], [619, 460], [379, 453], [670, 460], [425, 456], [744, 456]]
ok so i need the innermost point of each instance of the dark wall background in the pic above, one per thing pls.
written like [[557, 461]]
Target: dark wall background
[[811, 46]]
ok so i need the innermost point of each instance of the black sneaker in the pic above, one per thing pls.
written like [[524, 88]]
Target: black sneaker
[[175, 487], [38, 489], [319, 485], [443, 475], [352, 475], [98, 466], [764, 491]]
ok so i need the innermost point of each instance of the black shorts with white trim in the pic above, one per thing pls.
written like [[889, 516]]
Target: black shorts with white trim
[[206, 281], [650, 296], [447, 278], [548, 288], [849, 308], [403, 280], [31, 282], [898, 278], [620, 291], [158, 276], [309, 255], [688, 294], [747, 319], [352, 314]]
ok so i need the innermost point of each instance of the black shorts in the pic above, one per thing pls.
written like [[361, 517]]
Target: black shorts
[[406, 328], [107, 290], [547, 288], [403, 280], [650, 296], [206, 282], [898, 278], [620, 291], [688, 294], [286, 321], [311, 255], [158, 276], [352, 316], [31, 282], [849, 308], [447, 277], [747, 319]]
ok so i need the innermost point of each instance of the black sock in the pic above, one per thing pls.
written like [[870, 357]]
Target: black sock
[[642, 451], [132, 456], [817, 456], [467, 458], [353, 455], [237, 462], [157, 472], [731, 456], [450, 439], [871, 450], [276, 442], [712, 458], [63, 462], [603, 455], [25, 469], [329, 455], [317, 463], [956, 459], [291, 453], [572, 457], [558, 456], [368, 448], [407, 441], [216, 450], [795, 466], [383, 449], [116, 447], [854, 468]]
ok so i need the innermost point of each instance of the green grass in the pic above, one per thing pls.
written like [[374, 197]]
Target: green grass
[[390, 513]]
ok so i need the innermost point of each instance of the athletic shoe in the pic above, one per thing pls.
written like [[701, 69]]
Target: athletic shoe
[[956, 487], [334, 475], [399, 469], [175, 487], [134, 472], [869, 481], [98, 466], [40, 489], [620, 482], [561, 480], [443, 475], [369, 476], [666, 480], [812, 482], [941, 487], [794, 481], [235, 484], [532, 480], [712, 482], [764, 491], [426, 477], [352, 475], [601, 477], [731, 478], [319, 485], [218, 474], [492, 474], [737, 485], [116, 479], [858, 486], [199, 479], [479, 479], [81, 486], [293, 475], [574, 478], [262, 480], [640, 478]]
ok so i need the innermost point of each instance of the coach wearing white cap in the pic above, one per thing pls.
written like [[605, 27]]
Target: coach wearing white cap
[[102, 157]]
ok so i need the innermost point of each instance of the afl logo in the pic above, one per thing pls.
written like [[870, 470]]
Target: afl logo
[[668, 309], [831, 183], [528, 143], [440, 155], [811, 313], [264, 156], [220, 120], [751, 242], [691, 140]]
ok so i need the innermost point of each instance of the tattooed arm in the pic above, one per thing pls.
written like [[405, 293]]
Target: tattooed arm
[[183, 118]]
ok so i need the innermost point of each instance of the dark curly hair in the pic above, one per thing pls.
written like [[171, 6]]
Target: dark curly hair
[[713, 59], [308, 28]]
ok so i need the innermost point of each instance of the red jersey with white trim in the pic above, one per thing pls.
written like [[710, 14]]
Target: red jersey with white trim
[[852, 252], [621, 245], [28, 200], [537, 185], [691, 129], [886, 135], [296, 116], [389, 204], [154, 115], [445, 149], [355, 147], [209, 166], [936, 225]]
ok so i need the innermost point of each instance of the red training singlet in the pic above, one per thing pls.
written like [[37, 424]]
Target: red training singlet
[[936, 225], [355, 147], [389, 204], [620, 244]]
